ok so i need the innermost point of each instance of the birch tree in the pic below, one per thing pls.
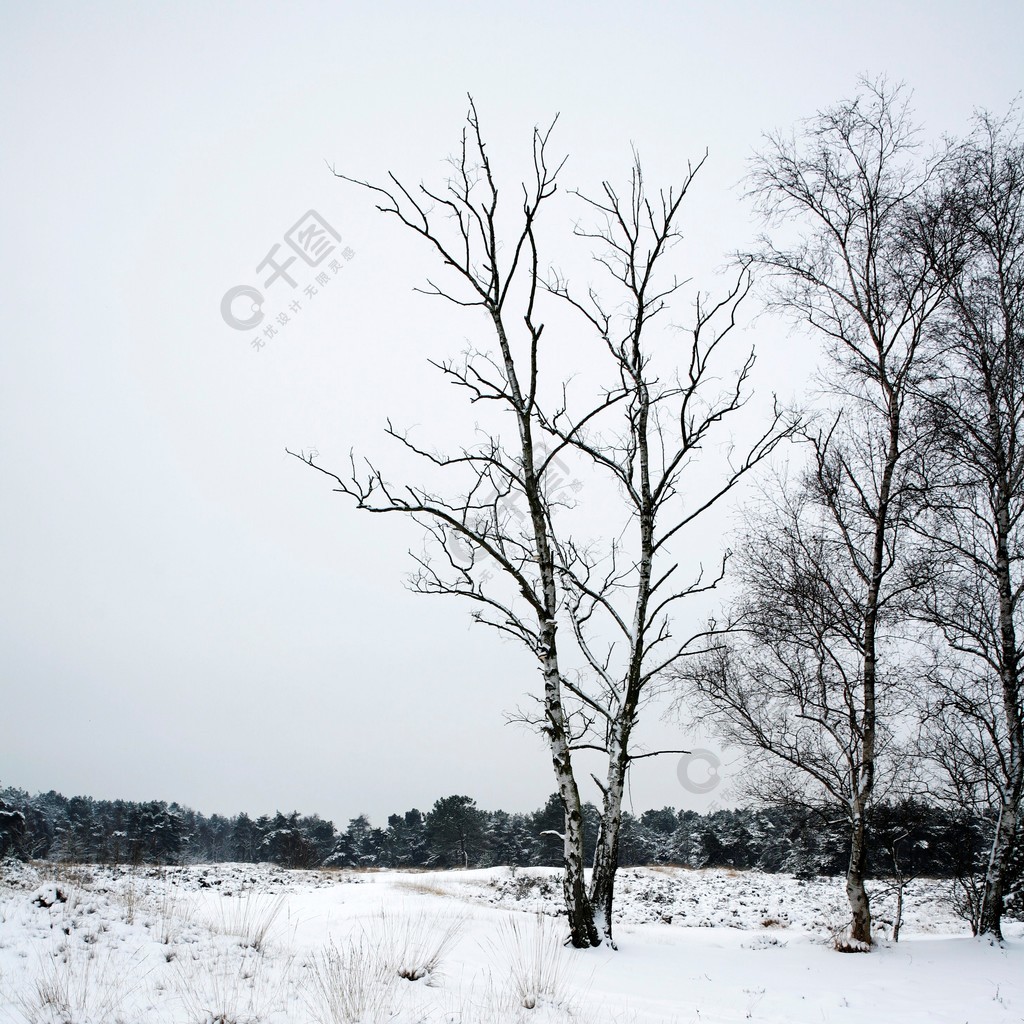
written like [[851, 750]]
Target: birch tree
[[625, 601], [838, 197], [472, 514], [974, 234], [503, 536]]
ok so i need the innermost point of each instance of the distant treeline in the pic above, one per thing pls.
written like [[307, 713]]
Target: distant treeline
[[911, 837]]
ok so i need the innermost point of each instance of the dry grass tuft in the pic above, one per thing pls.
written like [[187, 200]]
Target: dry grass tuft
[[532, 951], [229, 988], [72, 986], [249, 916], [414, 945], [350, 984]]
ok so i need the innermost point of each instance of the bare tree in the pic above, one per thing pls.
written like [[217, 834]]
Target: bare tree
[[826, 573], [787, 684], [473, 515], [498, 506], [624, 598], [973, 231]]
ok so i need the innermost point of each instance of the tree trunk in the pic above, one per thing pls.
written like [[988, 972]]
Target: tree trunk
[[995, 878], [1004, 841], [860, 925], [606, 856], [864, 780], [583, 932]]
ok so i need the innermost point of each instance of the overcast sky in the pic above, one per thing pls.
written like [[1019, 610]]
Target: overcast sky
[[187, 613]]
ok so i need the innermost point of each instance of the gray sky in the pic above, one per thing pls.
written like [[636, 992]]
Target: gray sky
[[187, 614]]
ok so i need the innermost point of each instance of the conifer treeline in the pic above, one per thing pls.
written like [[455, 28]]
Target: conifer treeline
[[456, 833]]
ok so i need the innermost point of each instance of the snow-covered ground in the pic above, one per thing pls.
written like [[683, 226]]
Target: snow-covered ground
[[234, 944]]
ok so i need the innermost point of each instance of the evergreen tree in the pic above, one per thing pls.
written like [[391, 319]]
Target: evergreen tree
[[455, 832]]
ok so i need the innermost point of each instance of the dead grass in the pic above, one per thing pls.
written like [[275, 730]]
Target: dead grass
[[531, 952], [249, 916], [73, 985], [228, 988], [415, 945], [349, 983], [424, 888]]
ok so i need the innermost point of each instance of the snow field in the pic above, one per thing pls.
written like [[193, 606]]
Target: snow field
[[253, 944]]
